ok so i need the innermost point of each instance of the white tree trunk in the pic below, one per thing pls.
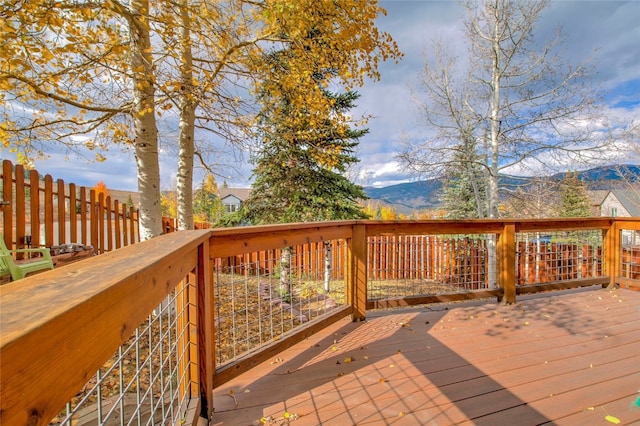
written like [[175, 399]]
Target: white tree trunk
[[286, 287], [145, 128], [494, 117], [184, 177], [327, 266]]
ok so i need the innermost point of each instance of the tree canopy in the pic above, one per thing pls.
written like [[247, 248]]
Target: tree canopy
[[89, 74], [523, 105]]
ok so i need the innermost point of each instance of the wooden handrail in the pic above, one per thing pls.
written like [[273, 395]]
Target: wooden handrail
[[233, 241], [58, 328]]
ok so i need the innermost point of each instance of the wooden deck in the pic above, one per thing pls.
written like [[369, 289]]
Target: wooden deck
[[565, 358]]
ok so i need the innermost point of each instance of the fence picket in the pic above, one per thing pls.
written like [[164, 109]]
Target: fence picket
[[73, 213], [34, 188], [20, 204], [62, 222], [48, 211]]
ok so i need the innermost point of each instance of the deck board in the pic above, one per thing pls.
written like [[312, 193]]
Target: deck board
[[570, 357]]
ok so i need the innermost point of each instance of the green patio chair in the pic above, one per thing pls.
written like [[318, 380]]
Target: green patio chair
[[19, 270]]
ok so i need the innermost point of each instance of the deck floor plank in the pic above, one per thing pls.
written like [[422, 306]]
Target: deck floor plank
[[570, 357]]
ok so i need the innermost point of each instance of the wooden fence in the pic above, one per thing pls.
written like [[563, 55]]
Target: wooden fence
[[451, 260], [40, 212]]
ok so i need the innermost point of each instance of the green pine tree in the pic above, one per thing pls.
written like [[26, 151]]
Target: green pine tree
[[299, 170], [463, 191], [574, 197]]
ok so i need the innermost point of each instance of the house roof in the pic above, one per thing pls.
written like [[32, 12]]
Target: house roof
[[240, 193], [596, 197], [630, 199]]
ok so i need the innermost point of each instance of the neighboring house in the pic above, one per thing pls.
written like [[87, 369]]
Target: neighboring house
[[615, 203], [232, 198], [618, 203]]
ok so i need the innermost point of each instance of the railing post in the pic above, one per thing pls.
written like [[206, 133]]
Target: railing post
[[507, 263], [612, 253], [357, 272], [206, 341]]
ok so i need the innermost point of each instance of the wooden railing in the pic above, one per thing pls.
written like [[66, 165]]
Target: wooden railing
[[58, 327], [40, 212]]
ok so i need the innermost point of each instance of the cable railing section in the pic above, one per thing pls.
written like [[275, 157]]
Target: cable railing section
[[552, 256], [412, 265], [144, 382], [262, 296], [274, 287]]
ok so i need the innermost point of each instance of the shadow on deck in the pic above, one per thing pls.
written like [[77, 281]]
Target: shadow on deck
[[568, 357]]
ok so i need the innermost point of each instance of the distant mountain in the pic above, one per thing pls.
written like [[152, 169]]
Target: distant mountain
[[425, 195], [606, 177], [407, 197]]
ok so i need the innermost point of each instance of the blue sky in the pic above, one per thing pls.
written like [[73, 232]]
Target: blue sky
[[607, 31]]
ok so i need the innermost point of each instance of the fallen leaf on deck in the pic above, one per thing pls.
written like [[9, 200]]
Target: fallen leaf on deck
[[382, 380], [349, 359], [612, 419]]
